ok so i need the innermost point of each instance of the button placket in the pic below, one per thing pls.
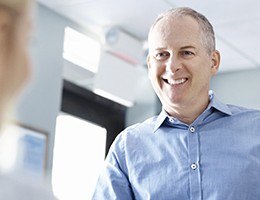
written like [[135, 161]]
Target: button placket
[[194, 160]]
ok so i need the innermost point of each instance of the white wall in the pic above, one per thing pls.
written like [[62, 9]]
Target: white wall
[[145, 105], [239, 88]]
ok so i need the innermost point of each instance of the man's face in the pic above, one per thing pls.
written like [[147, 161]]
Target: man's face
[[179, 66]]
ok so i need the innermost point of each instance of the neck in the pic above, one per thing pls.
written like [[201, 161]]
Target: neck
[[188, 113]]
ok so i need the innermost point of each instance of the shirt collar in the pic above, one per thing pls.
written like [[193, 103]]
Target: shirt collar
[[214, 103], [160, 119]]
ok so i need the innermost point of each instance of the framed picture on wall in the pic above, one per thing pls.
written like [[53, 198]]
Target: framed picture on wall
[[29, 148]]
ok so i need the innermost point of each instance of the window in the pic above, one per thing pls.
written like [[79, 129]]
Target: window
[[79, 152]]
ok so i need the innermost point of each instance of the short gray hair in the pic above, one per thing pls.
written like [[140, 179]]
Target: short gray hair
[[208, 37]]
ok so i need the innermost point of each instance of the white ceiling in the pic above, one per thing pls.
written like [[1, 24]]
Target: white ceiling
[[236, 22]]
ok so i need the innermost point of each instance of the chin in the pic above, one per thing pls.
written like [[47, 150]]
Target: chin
[[174, 98]]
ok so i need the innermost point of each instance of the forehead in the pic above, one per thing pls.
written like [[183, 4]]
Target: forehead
[[182, 30]]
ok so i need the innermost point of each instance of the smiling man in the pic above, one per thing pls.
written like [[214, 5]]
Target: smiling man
[[198, 147], [181, 62]]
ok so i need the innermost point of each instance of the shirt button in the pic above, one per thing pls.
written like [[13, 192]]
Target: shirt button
[[171, 119], [193, 166], [192, 129]]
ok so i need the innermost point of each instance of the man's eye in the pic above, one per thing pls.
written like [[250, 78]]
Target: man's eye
[[187, 53], [161, 55]]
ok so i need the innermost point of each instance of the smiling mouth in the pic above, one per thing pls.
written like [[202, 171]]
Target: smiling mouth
[[175, 81]]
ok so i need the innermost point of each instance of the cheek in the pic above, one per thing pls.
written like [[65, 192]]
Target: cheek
[[156, 71], [203, 76]]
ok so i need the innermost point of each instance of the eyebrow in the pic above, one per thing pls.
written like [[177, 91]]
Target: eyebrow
[[188, 47], [160, 48], [184, 47]]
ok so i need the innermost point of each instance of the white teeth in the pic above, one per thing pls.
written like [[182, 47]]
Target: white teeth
[[176, 82]]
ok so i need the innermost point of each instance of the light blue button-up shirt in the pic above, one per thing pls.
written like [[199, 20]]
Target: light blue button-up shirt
[[217, 157]]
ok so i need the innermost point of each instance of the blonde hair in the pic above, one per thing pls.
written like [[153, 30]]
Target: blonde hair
[[11, 14], [15, 5], [13, 11]]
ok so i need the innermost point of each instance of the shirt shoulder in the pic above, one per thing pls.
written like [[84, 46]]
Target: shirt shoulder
[[142, 127], [244, 118], [238, 110], [133, 132]]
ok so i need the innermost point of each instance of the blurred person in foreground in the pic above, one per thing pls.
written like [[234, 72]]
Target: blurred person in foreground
[[197, 147], [15, 28]]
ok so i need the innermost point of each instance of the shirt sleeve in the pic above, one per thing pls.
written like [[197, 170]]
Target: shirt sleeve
[[113, 182]]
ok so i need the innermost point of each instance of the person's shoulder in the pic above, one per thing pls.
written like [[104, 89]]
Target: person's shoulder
[[240, 110], [145, 126], [132, 133], [137, 129]]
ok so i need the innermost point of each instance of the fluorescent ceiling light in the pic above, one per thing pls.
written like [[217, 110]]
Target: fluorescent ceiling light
[[81, 50]]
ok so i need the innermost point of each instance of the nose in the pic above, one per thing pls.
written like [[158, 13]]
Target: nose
[[172, 64]]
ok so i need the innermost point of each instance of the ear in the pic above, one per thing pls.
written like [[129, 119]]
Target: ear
[[215, 57], [148, 61]]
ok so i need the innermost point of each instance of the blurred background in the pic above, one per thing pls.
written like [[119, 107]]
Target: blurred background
[[90, 79]]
